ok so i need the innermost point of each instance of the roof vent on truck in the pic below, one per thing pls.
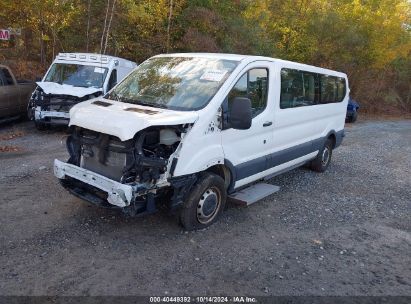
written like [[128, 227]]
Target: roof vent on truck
[[84, 57]]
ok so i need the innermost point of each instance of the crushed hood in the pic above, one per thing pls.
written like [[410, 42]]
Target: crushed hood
[[124, 120], [66, 89]]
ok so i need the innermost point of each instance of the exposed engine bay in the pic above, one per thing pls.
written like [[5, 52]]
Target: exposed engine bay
[[141, 160], [144, 164]]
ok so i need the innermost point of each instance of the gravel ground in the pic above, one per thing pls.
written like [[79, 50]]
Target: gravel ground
[[344, 232]]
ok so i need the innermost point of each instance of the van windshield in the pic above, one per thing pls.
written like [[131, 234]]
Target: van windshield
[[77, 75], [177, 83]]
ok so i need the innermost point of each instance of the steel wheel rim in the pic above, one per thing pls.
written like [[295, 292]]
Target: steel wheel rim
[[208, 205], [325, 157]]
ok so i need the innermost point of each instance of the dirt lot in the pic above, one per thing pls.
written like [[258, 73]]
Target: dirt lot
[[343, 232]]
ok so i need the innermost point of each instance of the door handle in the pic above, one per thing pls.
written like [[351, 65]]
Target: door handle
[[267, 123]]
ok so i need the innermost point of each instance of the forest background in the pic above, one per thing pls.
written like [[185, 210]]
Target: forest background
[[370, 40]]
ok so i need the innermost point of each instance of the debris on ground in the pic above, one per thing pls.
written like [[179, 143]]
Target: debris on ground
[[9, 149], [10, 136]]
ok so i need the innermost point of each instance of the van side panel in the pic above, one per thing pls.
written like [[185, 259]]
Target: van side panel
[[299, 125], [294, 126], [299, 133]]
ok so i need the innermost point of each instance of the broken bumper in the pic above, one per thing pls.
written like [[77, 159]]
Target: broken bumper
[[118, 194], [42, 115]]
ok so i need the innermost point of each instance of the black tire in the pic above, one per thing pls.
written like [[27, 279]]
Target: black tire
[[205, 202], [30, 112], [323, 159], [40, 126], [354, 117]]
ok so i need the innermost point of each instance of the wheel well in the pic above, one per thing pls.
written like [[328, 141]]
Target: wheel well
[[333, 138], [223, 172]]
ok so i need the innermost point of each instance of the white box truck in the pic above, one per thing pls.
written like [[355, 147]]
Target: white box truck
[[73, 78], [190, 130]]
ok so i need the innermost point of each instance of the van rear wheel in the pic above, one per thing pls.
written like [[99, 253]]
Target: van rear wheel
[[323, 159], [205, 202]]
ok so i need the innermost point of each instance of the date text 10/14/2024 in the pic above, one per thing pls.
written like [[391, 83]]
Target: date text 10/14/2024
[[202, 299]]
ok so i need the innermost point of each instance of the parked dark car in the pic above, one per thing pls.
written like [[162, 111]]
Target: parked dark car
[[352, 110], [14, 95]]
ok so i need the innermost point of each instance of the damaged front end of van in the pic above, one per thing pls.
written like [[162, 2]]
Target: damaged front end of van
[[129, 174], [114, 168]]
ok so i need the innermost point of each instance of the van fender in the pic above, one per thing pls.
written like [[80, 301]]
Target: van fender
[[321, 141], [337, 136], [193, 160]]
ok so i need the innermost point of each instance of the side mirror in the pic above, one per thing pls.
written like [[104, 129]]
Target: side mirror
[[38, 79], [240, 113]]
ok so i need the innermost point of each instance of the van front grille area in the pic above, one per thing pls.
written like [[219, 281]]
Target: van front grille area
[[104, 154]]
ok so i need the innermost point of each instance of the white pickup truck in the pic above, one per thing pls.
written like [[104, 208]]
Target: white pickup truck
[[73, 78]]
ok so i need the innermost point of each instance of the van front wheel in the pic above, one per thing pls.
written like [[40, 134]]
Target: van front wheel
[[205, 202], [323, 159]]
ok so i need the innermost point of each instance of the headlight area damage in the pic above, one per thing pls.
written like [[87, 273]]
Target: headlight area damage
[[134, 175], [53, 108]]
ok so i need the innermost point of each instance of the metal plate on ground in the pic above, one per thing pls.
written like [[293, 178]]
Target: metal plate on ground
[[253, 193]]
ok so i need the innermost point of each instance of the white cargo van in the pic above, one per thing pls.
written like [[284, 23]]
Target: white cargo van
[[190, 130], [73, 78]]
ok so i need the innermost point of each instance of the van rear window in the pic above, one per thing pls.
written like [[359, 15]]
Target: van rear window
[[302, 88]]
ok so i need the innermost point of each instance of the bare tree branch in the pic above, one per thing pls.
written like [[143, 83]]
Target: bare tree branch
[[104, 29], [170, 14], [88, 25], [109, 25]]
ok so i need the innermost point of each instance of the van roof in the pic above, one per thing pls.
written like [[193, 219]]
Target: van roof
[[224, 56], [247, 58]]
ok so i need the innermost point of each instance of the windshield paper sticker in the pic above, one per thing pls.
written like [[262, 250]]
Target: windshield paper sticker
[[99, 70], [213, 75]]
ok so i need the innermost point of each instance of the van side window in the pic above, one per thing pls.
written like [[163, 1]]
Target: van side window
[[291, 88], [7, 78], [311, 88], [301, 88], [253, 85], [113, 80], [328, 89], [341, 90]]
